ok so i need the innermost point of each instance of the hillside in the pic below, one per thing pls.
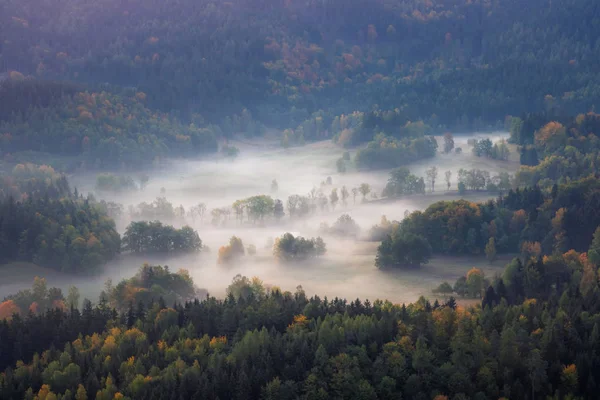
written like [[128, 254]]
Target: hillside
[[462, 64]]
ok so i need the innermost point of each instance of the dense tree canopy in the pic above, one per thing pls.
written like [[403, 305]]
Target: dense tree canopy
[[452, 62], [154, 237], [535, 336], [70, 235]]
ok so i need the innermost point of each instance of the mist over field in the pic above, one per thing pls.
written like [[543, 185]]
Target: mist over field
[[347, 270]]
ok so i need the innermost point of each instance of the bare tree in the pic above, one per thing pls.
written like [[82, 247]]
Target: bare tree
[[364, 189], [333, 198], [448, 142], [448, 177], [432, 174], [345, 195]]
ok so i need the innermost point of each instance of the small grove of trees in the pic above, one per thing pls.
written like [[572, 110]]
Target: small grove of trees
[[402, 182], [448, 142], [38, 300], [153, 237], [379, 232], [290, 248], [151, 284], [432, 174], [231, 252], [403, 250], [256, 208], [115, 183], [230, 151], [477, 179], [388, 152], [344, 226], [472, 285], [485, 148], [71, 235]]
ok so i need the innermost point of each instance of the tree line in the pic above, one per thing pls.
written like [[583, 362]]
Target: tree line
[[535, 334]]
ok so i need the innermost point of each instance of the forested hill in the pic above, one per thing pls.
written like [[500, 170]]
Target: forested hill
[[457, 63]]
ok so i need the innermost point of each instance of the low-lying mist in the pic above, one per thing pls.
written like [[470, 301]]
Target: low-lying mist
[[347, 270]]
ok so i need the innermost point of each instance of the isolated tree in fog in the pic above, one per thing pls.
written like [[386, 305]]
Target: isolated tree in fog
[[322, 201], [292, 204], [432, 174], [490, 250], [144, 181], [197, 211], [341, 165], [364, 189], [448, 176], [333, 198], [475, 282], [73, 297], [278, 212], [345, 195], [444, 289], [448, 142], [232, 251], [274, 186], [238, 208], [354, 194]]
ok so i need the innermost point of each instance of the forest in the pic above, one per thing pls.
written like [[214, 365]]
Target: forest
[[451, 64], [152, 150], [536, 335]]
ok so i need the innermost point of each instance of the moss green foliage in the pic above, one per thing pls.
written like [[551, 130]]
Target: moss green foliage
[[154, 237], [290, 248]]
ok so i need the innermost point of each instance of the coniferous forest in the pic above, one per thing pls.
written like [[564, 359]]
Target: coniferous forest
[[133, 100]]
